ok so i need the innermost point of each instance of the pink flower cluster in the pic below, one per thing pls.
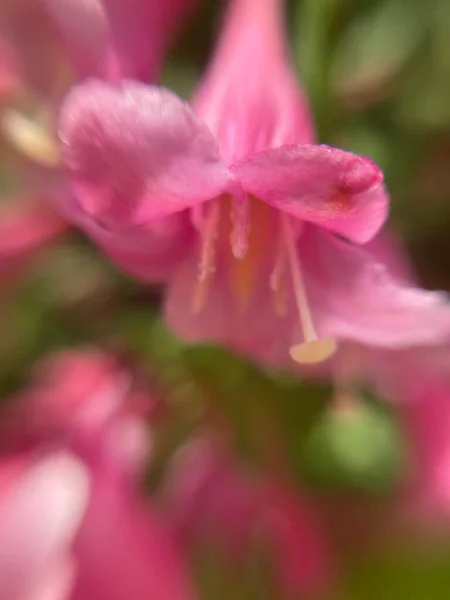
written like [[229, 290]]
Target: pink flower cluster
[[72, 522]]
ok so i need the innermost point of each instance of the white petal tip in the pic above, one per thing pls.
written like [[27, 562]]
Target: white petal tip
[[313, 352]]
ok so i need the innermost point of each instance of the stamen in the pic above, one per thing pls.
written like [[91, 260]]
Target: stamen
[[240, 227], [206, 267], [277, 279], [30, 138], [313, 350]]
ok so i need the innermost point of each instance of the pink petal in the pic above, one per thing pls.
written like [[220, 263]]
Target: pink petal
[[79, 389], [125, 552], [9, 76], [298, 543], [25, 230], [136, 153], [252, 329], [150, 253], [38, 521], [58, 583], [332, 188], [141, 30], [85, 30], [117, 38], [31, 36], [256, 103], [354, 297], [426, 419], [209, 499]]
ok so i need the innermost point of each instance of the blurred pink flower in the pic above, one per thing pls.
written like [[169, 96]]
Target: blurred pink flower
[[72, 523], [113, 39], [214, 501], [425, 417], [103, 38], [46, 45], [248, 206], [108, 38], [25, 228], [415, 380]]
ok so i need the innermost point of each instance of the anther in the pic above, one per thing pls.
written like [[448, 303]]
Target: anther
[[30, 138]]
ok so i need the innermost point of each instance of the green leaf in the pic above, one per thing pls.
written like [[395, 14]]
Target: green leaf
[[401, 573], [377, 46]]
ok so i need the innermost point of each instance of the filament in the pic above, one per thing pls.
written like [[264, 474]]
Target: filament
[[313, 349], [207, 266]]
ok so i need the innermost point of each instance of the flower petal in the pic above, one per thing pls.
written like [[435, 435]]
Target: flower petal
[[27, 30], [38, 522], [117, 38], [353, 296], [125, 551], [85, 32], [332, 188], [141, 30], [150, 253], [253, 329], [298, 543], [25, 230], [254, 104], [135, 153]]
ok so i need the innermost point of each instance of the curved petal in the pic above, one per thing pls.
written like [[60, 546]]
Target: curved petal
[[9, 76], [28, 32], [253, 103], [124, 550], [85, 32], [150, 253], [135, 153], [209, 498], [38, 522], [426, 419], [332, 188], [353, 296], [24, 230], [297, 540], [141, 30]]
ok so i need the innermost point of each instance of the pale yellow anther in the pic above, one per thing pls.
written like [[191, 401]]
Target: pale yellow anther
[[29, 138], [314, 351]]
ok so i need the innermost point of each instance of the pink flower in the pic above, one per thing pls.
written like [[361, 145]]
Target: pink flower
[[416, 381], [213, 500], [426, 419], [238, 186], [112, 39], [47, 45], [72, 522], [108, 38], [25, 229]]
